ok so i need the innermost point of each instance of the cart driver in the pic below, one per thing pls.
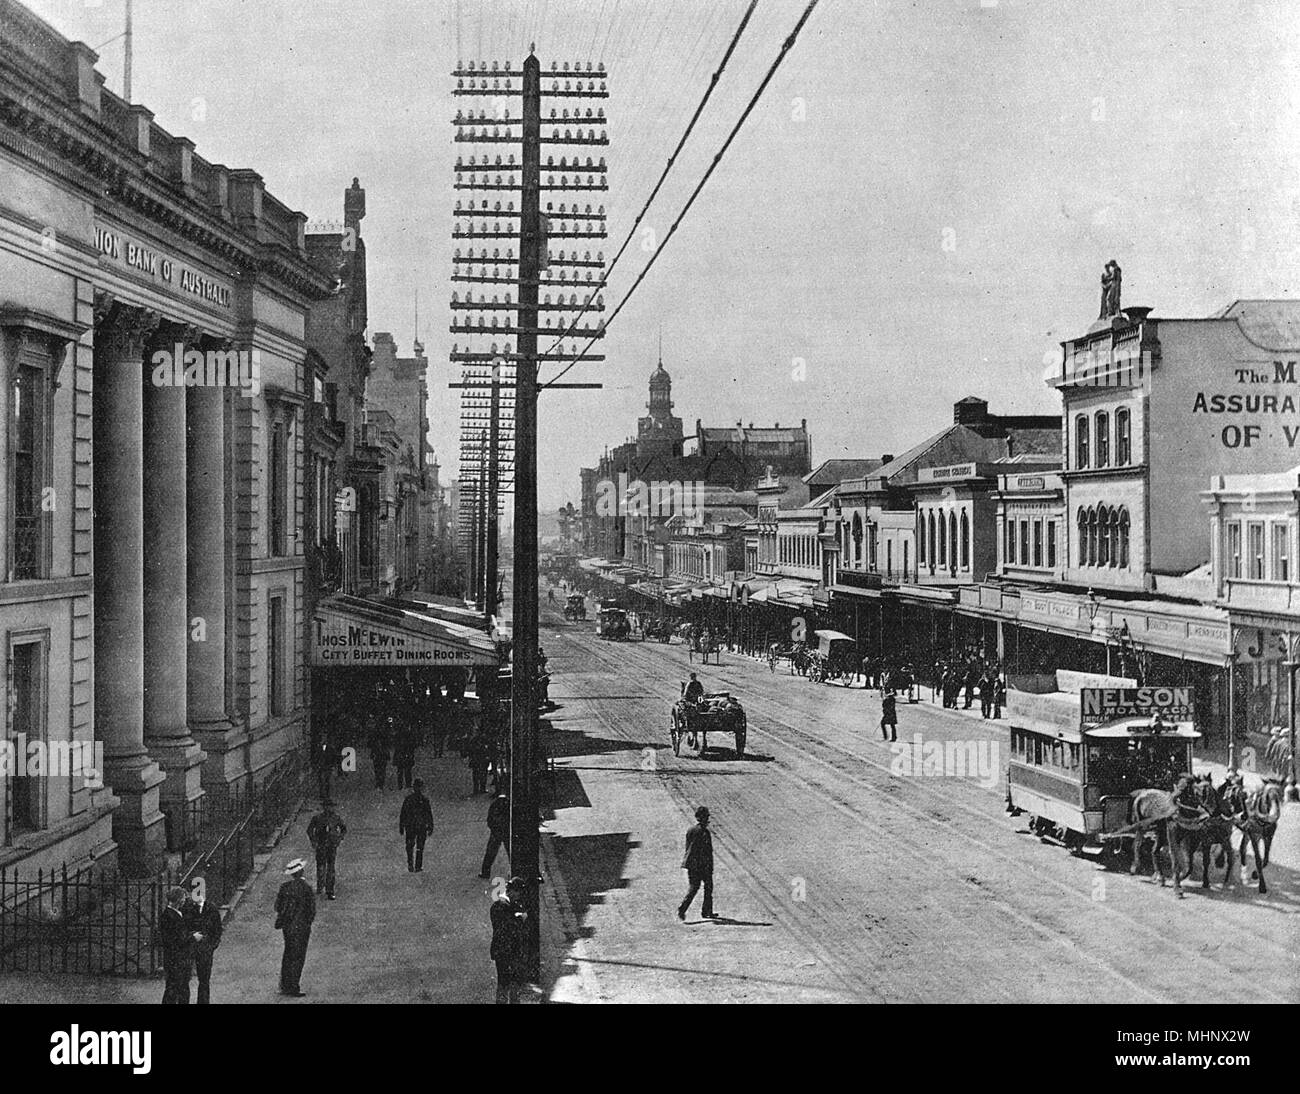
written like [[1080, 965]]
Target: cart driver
[[694, 691]]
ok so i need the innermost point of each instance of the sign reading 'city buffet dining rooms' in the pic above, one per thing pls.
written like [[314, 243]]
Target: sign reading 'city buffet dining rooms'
[[1105, 704], [339, 641]]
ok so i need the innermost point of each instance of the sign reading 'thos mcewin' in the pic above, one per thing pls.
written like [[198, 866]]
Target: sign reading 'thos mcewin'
[[344, 642]]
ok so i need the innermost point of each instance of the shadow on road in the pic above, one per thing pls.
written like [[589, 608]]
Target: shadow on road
[[590, 867]]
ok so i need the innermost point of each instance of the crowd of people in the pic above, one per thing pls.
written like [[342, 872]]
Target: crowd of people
[[970, 675]]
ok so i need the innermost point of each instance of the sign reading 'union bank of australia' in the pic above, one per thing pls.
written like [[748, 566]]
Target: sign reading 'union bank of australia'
[[159, 267]]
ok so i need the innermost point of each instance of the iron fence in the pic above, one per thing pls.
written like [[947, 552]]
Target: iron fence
[[85, 921]]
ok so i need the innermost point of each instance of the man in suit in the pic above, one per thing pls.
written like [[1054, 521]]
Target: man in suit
[[479, 754], [889, 716], [498, 822], [203, 921], [326, 832], [698, 863], [295, 909], [177, 948], [415, 823], [508, 943]]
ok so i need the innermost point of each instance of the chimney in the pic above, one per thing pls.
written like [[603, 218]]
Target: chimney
[[888, 457], [970, 411]]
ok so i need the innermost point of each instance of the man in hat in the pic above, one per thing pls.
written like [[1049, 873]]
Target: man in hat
[[415, 823], [479, 754], [698, 863], [326, 832], [295, 908], [177, 948], [203, 920], [509, 945], [889, 716], [694, 691], [498, 822]]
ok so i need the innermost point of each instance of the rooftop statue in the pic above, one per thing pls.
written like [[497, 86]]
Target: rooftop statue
[[1110, 288]]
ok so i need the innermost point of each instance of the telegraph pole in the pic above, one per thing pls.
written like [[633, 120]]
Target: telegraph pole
[[493, 492], [524, 860], [532, 226]]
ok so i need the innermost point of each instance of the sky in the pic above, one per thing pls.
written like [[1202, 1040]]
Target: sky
[[918, 209]]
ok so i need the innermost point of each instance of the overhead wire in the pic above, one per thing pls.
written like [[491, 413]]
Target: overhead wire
[[672, 159], [786, 46]]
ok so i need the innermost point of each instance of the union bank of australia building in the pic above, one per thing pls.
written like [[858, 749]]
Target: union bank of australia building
[[152, 594]]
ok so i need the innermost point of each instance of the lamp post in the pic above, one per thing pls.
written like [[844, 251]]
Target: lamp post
[[1232, 710]]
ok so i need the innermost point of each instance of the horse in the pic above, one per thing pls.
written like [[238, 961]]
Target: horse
[[1256, 813], [1215, 831], [1163, 812]]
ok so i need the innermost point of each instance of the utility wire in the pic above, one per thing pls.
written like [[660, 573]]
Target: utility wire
[[785, 49], [658, 185]]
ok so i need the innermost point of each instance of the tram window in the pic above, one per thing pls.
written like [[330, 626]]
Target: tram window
[[1057, 749], [1074, 757]]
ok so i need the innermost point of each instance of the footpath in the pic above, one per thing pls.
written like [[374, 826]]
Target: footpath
[[390, 936]]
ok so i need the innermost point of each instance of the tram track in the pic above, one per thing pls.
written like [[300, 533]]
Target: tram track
[[838, 777]]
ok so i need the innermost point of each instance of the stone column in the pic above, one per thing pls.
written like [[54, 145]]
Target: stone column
[[205, 531], [118, 427], [166, 622]]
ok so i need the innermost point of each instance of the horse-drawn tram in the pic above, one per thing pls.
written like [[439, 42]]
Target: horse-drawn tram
[[1077, 785]]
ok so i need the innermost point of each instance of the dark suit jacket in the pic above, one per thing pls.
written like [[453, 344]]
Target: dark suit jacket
[[326, 830], [295, 907], [416, 815], [699, 850], [207, 921], [174, 934], [498, 817], [507, 930]]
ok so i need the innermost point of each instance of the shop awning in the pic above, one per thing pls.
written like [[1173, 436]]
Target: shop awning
[[349, 632], [441, 607]]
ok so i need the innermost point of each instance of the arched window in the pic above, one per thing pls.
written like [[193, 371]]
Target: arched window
[[933, 556], [1081, 441], [965, 541], [1083, 537], [943, 541], [1101, 431], [1123, 438], [952, 540], [857, 539], [920, 545], [1092, 537], [1122, 537], [1103, 535]]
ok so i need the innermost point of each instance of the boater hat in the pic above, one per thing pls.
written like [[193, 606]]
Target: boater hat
[[295, 867]]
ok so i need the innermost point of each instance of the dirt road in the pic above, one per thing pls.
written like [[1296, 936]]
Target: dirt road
[[840, 879]]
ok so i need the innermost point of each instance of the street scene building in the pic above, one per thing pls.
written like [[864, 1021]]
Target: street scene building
[[530, 652]]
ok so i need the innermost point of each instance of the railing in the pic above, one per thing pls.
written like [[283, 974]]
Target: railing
[[82, 921]]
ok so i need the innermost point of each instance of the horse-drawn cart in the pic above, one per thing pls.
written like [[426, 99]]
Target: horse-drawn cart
[[575, 608], [717, 712]]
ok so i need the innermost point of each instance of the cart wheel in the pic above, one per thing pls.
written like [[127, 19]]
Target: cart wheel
[[677, 741]]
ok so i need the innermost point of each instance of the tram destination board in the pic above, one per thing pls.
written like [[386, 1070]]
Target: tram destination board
[[1105, 704]]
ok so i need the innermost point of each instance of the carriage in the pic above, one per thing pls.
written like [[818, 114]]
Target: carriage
[[833, 658], [706, 644], [1077, 784], [575, 608], [659, 629], [716, 712], [612, 623]]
